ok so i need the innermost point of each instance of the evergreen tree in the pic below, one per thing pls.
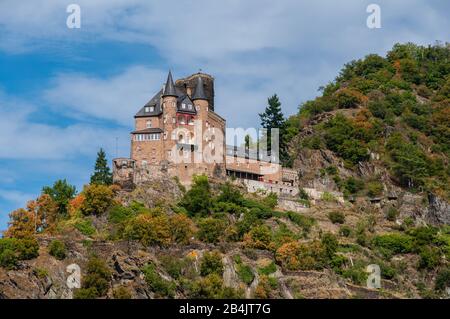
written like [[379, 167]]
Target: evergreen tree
[[61, 192], [102, 174], [273, 118]]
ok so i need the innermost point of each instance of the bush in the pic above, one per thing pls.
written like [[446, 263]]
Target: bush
[[328, 197], [392, 214], [160, 286], [336, 217], [442, 280], [96, 281], [245, 273], [211, 230], [8, 259], [211, 263], [121, 292], [97, 199], [197, 201], [57, 249], [271, 200], [259, 237], [297, 256], [345, 231], [211, 287], [374, 189], [396, 243], [267, 270], [119, 214], [304, 222], [230, 194], [85, 227], [149, 230], [330, 244], [181, 228], [430, 257]]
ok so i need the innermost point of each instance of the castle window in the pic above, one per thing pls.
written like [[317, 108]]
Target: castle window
[[165, 135], [183, 105], [152, 108], [190, 106], [149, 124], [144, 164], [174, 120], [147, 109], [191, 120], [181, 120]]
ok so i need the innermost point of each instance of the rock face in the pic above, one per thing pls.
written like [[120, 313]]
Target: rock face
[[438, 211]]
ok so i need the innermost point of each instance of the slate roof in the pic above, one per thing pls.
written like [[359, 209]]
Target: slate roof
[[199, 93], [169, 88], [155, 102]]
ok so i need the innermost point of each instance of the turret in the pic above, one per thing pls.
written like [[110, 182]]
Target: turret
[[169, 88]]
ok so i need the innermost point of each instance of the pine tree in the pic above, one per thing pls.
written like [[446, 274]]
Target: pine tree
[[102, 174], [273, 118]]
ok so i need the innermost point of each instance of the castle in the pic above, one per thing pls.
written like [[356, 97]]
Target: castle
[[178, 133]]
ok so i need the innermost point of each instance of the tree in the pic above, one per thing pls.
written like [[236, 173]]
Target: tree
[[271, 118], [197, 200], [102, 174], [61, 192], [97, 199]]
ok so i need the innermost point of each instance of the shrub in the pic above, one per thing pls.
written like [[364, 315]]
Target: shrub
[[121, 292], [197, 201], [174, 266], [211, 287], [442, 279], [85, 227], [374, 189], [97, 199], [336, 217], [57, 249], [396, 243], [328, 197], [149, 230], [181, 228], [245, 273], [96, 281], [61, 192], [8, 259], [330, 244], [211, 263], [259, 237], [430, 257], [345, 231], [230, 194], [160, 286], [295, 256], [271, 200], [303, 221], [119, 214], [267, 270], [211, 229], [392, 214]]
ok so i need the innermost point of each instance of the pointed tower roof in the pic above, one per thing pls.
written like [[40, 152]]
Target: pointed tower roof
[[169, 88], [199, 93]]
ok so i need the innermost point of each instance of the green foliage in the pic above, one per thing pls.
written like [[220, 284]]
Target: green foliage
[[173, 266], [211, 287], [12, 250], [328, 197], [102, 174], [97, 199], [305, 222], [330, 244], [211, 230], [345, 231], [442, 279], [96, 282], [85, 227], [230, 194], [8, 259], [395, 243], [119, 214], [271, 200], [267, 270], [245, 273], [211, 263], [430, 257], [344, 138], [336, 217], [57, 249], [374, 188], [149, 229], [61, 192], [160, 286], [197, 201], [258, 237], [392, 214]]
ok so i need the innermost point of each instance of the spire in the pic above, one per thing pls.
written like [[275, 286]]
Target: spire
[[199, 93], [169, 88]]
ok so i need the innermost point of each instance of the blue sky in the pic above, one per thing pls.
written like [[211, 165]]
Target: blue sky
[[64, 93]]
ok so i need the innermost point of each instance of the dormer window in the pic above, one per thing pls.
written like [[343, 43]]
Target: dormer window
[[147, 109], [190, 106], [149, 124], [183, 105], [152, 108]]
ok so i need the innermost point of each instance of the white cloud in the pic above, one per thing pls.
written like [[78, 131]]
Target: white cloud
[[21, 138], [17, 198]]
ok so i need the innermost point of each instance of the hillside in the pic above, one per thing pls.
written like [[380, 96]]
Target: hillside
[[372, 155]]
